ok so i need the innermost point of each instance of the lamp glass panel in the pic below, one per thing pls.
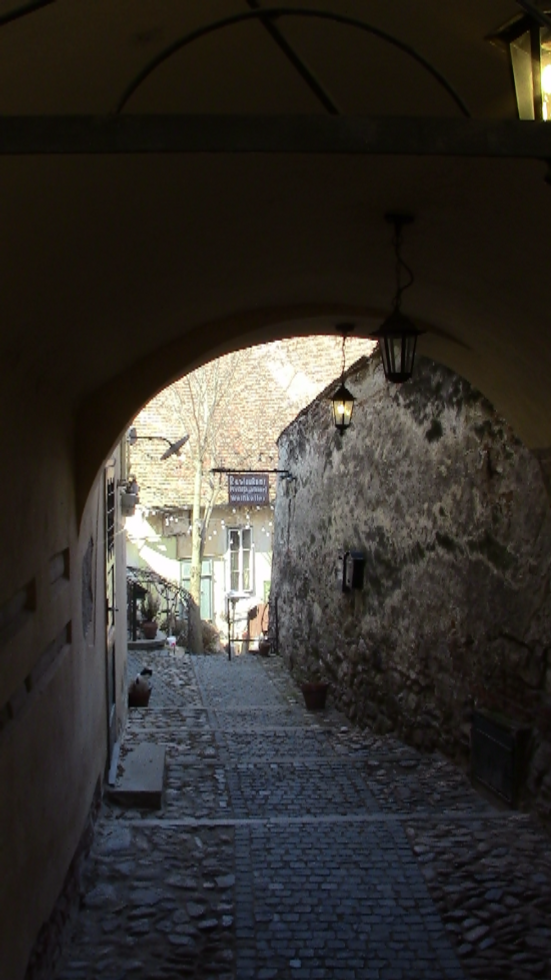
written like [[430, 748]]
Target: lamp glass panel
[[342, 411], [391, 351], [398, 354], [545, 46], [347, 414], [384, 349], [521, 60], [408, 353]]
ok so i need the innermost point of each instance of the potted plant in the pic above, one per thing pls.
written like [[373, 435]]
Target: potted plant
[[150, 608], [314, 694], [314, 690], [264, 645]]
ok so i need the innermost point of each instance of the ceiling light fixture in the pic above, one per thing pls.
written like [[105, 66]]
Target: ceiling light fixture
[[342, 400], [397, 337], [526, 39]]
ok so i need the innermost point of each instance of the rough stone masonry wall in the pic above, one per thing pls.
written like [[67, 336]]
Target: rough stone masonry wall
[[452, 514]]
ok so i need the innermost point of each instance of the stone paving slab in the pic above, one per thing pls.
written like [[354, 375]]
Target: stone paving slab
[[142, 778], [494, 899], [425, 782], [291, 844], [144, 919], [316, 787], [173, 681], [316, 904], [264, 743]]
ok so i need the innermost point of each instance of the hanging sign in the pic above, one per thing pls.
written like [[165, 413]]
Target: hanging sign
[[248, 489]]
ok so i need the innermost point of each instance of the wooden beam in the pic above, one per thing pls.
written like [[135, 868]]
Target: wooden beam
[[24, 135]]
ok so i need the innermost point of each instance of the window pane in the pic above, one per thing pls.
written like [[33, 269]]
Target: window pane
[[246, 570], [234, 571]]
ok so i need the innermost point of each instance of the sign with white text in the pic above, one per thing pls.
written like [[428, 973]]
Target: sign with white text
[[248, 489]]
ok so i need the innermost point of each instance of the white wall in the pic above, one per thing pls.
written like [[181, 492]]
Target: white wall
[[162, 547]]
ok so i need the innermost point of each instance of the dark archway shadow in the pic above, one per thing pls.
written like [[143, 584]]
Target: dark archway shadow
[[106, 413]]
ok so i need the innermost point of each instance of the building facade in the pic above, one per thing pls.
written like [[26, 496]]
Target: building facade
[[264, 388]]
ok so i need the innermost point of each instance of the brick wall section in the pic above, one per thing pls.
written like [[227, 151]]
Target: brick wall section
[[452, 514], [270, 385]]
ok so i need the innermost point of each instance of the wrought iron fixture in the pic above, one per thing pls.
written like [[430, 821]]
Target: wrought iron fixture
[[397, 337], [342, 400], [173, 447], [527, 41]]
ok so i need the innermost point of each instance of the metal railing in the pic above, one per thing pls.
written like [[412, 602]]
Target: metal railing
[[174, 602]]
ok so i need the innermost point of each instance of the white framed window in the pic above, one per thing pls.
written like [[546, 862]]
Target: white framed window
[[240, 559]]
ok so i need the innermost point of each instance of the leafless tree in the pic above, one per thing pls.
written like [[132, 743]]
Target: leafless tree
[[201, 401]]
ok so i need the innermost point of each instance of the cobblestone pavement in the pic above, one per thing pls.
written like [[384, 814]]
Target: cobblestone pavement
[[292, 845]]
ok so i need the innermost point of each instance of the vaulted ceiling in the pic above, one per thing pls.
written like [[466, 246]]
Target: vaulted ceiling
[[122, 270]]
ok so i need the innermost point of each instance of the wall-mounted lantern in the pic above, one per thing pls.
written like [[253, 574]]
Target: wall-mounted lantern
[[526, 39], [342, 400], [353, 566], [174, 448], [397, 336]]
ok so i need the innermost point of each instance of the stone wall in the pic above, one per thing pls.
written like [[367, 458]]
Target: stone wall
[[453, 517]]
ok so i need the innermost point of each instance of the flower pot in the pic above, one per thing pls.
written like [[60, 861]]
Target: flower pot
[[264, 648], [315, 694], [128, 504], [149, 629]]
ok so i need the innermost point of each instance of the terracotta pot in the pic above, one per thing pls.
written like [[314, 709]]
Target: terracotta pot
[[149, 629], [264, 648], [315, 694]]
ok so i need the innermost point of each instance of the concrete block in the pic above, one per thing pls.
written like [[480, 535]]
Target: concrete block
[[142, 778]]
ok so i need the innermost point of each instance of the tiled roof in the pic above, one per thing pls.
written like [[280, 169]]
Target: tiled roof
[[262, 388]]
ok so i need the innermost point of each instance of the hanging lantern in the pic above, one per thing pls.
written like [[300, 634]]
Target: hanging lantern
[[343, 406], [527, 41], [397, 336], [397, 339], [342, 400]]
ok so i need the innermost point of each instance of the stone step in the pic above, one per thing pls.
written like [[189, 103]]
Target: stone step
[[141, 779], [158, 643]]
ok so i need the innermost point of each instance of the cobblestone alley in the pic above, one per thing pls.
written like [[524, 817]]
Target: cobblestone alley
[[292, 845]]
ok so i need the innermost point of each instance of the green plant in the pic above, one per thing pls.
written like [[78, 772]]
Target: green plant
[[150, 606], [308, 673]]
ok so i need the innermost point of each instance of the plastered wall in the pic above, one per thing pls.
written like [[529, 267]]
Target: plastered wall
[[53, 713]]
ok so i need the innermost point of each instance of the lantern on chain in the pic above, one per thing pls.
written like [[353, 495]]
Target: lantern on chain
[[342, 400], [397, 336]]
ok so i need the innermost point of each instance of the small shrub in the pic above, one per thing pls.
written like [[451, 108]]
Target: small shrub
[[211, 637]]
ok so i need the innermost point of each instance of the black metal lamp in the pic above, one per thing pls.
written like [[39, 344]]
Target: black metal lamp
[[527, 41], [174, 448], [342, 400], [397, 336]]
